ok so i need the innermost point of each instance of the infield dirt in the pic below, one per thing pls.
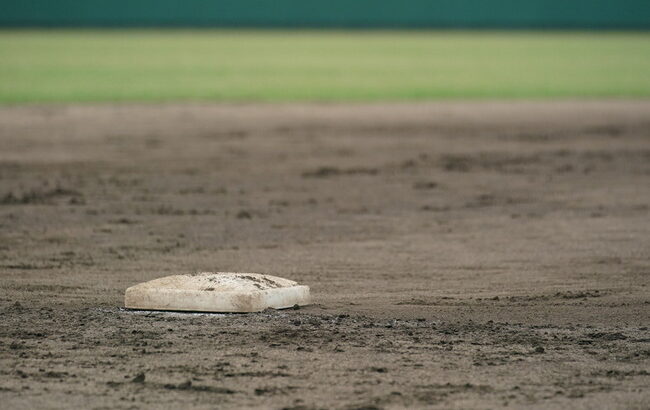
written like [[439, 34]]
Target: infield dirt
[[461, 255]]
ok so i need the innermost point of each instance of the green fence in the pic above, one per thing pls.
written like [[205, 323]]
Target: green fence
[[572, 14]]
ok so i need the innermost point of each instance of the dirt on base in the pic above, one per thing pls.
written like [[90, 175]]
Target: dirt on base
[[461, 255]]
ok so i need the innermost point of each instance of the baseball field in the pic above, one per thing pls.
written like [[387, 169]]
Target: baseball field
[[470, 210]]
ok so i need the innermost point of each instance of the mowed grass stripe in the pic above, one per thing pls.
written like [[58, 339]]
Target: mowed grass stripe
[[213, 65]]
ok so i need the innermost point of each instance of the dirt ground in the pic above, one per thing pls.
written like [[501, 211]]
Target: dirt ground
[[461, 255]]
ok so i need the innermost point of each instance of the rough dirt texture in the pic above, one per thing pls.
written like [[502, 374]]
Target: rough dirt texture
[[461, 255]]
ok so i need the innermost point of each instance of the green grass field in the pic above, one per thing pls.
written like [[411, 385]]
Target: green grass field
[[88, 66]]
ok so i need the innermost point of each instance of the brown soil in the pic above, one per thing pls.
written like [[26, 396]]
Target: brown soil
[[465, 255]]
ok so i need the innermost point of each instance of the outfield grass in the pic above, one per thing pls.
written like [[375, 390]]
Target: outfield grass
[[84, 66]]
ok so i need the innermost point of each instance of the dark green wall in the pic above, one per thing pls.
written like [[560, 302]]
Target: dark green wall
[[622, 14]]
